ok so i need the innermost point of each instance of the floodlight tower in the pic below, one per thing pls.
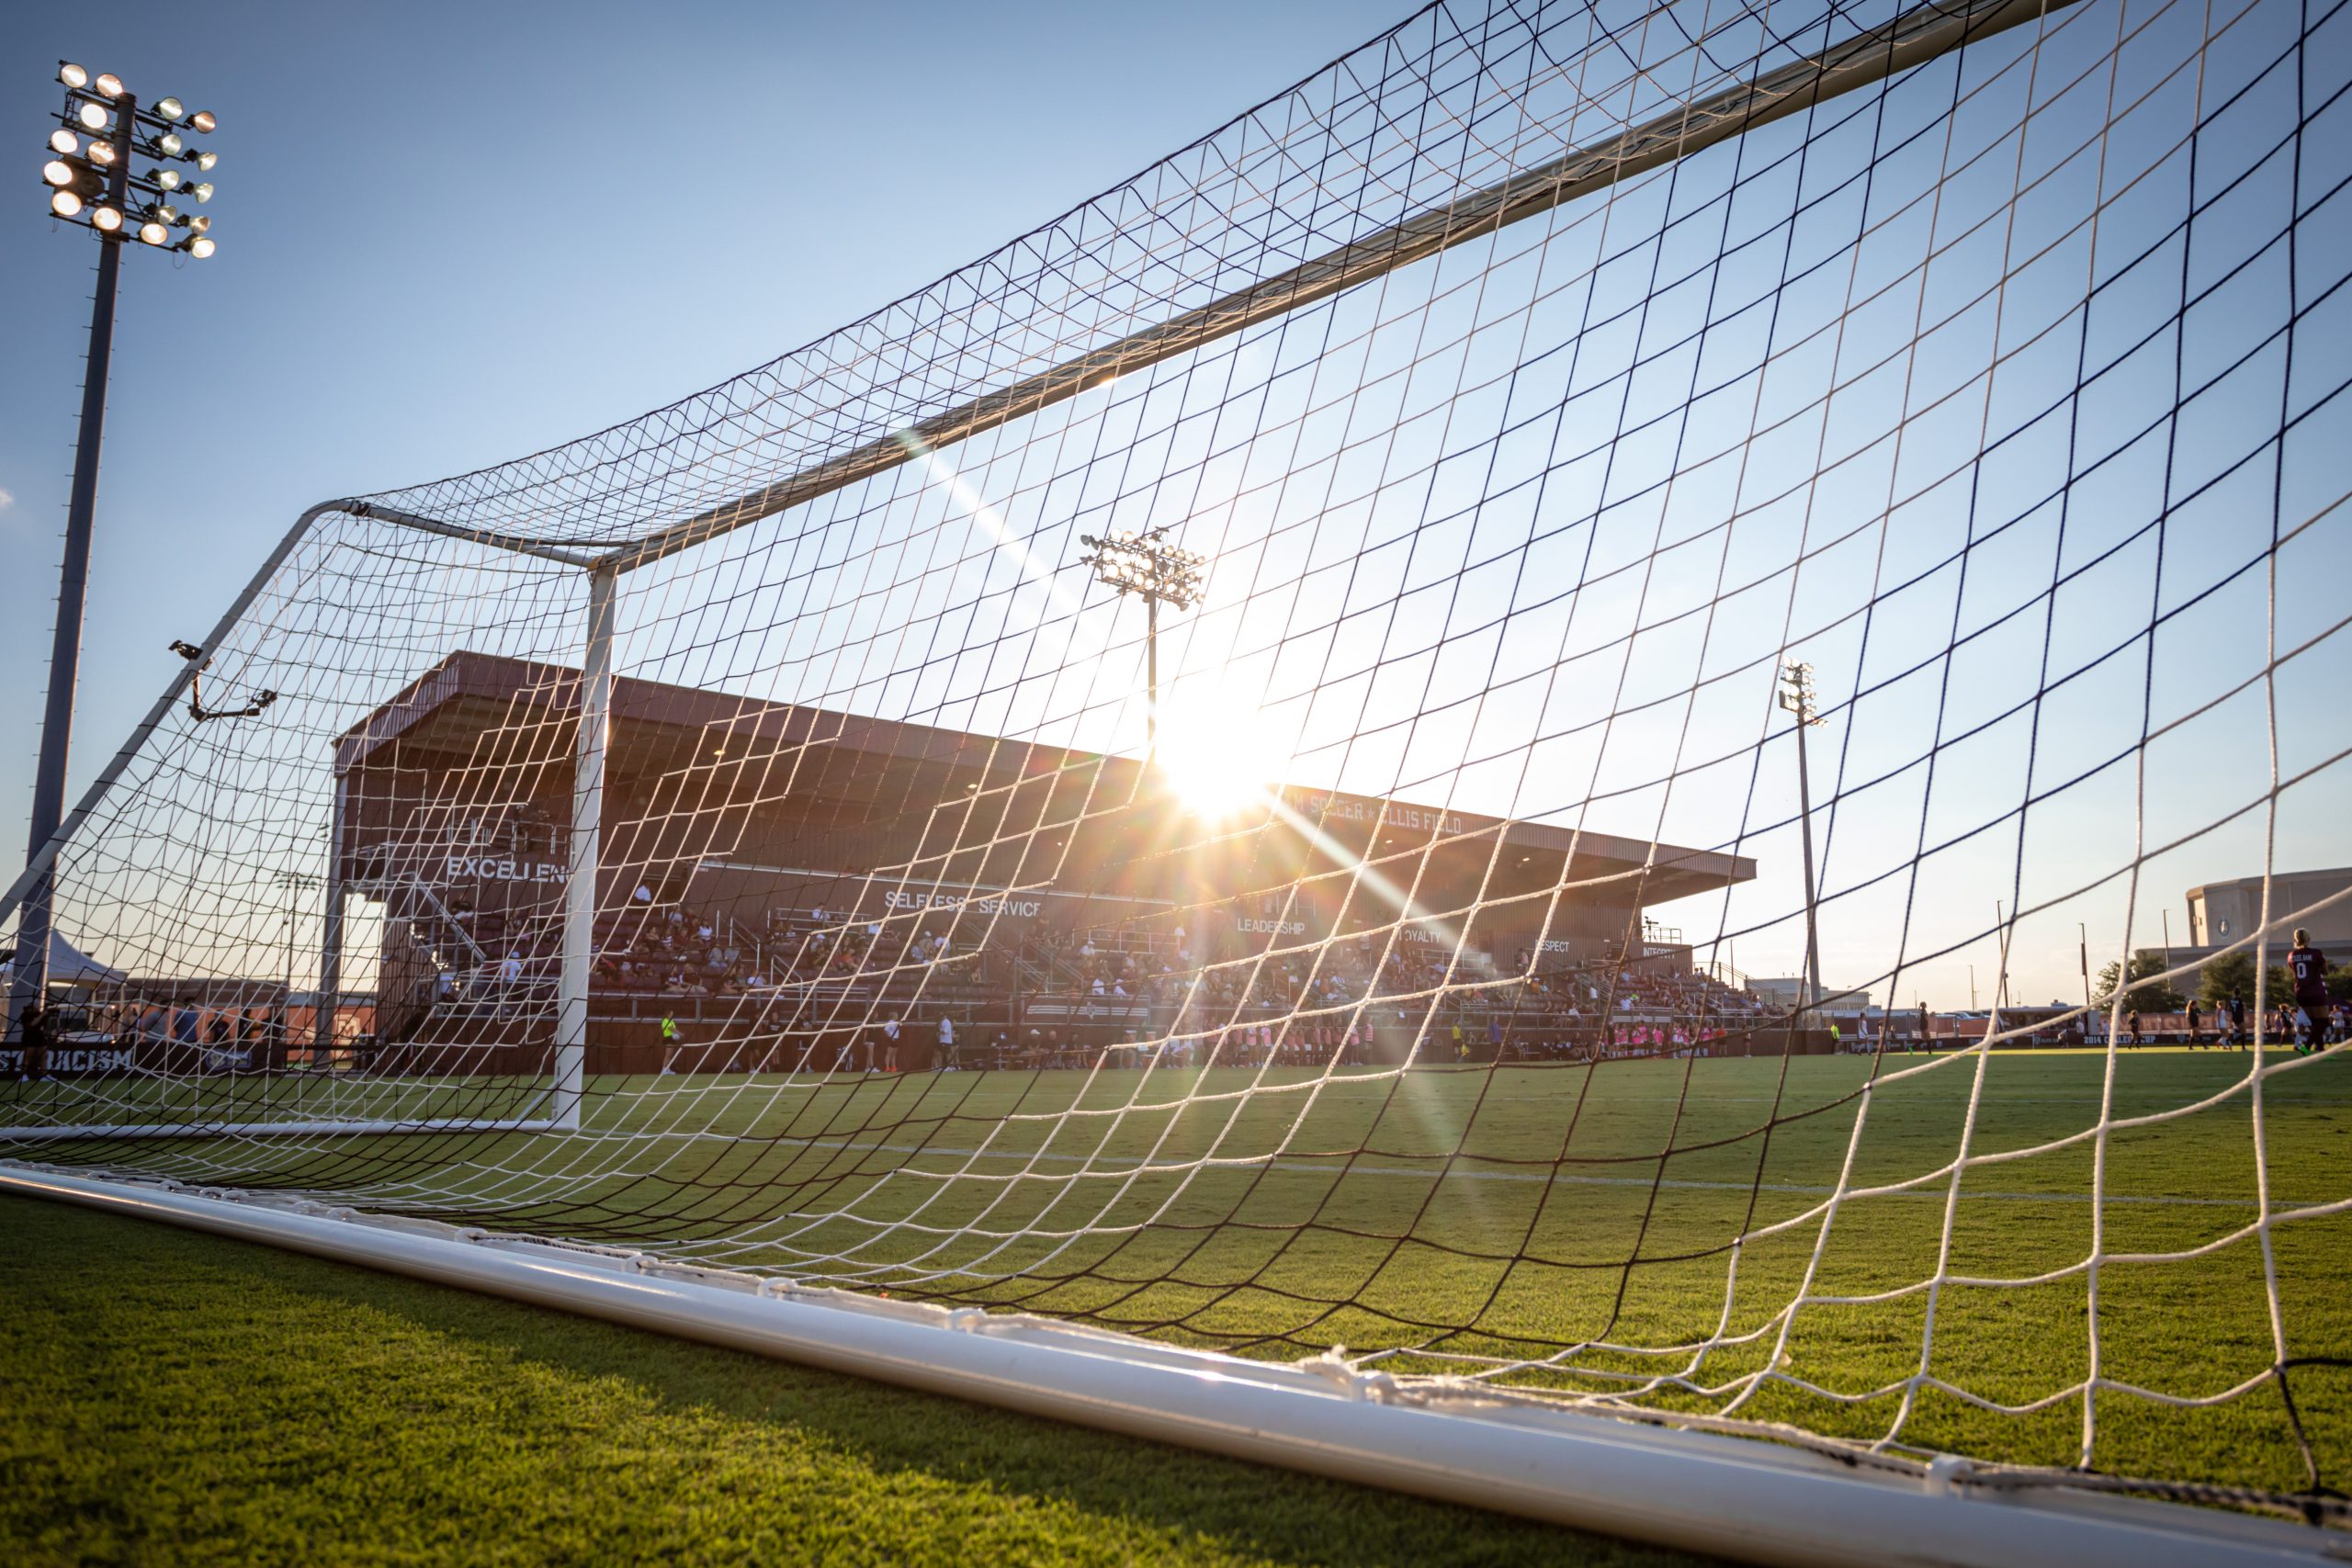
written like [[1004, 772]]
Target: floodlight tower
[[92, 184], [296, 883], [1796, 698], [1147, 565]]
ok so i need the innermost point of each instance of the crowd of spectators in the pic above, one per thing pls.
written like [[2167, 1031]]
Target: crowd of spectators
[[661, 948], [1066, 995]]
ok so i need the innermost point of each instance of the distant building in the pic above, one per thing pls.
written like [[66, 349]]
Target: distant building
[[2224, 913], [1784, 994]]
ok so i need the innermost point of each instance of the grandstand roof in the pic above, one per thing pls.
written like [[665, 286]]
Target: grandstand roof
[[510, 717]]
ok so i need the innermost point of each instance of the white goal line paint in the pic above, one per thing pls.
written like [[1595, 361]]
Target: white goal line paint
[[1096, 1166]]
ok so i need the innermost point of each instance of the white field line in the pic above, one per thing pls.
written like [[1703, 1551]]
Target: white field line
[[1333, 1165]]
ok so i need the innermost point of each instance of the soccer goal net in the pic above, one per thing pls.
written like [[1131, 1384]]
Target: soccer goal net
[[1537, 719]]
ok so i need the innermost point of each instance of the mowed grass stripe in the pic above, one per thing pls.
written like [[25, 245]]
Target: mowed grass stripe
[[1423, 1216], [169, 1397]]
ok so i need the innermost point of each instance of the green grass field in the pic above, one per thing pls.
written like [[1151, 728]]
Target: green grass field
[[1504, 1215], [169, 1397]]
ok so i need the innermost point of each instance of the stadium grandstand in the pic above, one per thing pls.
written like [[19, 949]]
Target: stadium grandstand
[[781, 883]]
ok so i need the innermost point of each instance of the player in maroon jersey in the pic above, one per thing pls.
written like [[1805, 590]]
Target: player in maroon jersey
[[2308, 966]]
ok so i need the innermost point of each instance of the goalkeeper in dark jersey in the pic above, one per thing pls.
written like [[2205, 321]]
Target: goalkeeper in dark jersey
[[2307, 966]]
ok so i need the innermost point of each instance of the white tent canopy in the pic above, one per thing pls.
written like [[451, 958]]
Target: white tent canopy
[[69, 966]]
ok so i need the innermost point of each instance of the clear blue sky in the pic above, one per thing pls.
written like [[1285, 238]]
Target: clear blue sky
[[454, 233]]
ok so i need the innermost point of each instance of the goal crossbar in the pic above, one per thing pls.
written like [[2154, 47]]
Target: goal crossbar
[[1911, 38]]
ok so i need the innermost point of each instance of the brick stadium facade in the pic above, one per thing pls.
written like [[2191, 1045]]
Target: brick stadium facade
[[775, 877]]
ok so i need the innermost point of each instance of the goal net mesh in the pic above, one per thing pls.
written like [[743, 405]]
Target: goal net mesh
[[1404, 947]]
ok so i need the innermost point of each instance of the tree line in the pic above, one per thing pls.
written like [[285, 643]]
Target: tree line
[[2230, 975]]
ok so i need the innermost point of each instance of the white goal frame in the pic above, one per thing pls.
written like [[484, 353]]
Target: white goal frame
[[1738, 1497], [1919, 33]]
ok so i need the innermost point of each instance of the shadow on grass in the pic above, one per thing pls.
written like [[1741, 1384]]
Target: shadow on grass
[[1198, 1505]]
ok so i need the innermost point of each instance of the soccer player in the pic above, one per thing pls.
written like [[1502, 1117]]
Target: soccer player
[[2308, 966], [32, 1062], [2237, 1022], [2192, 1024]]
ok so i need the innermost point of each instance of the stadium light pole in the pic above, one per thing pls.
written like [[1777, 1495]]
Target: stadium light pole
[[91, 184], [1796, 698], [2001, 974], [296, 883], [1147, 566]]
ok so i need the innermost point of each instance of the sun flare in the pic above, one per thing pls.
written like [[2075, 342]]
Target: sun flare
[[1219, 761]]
